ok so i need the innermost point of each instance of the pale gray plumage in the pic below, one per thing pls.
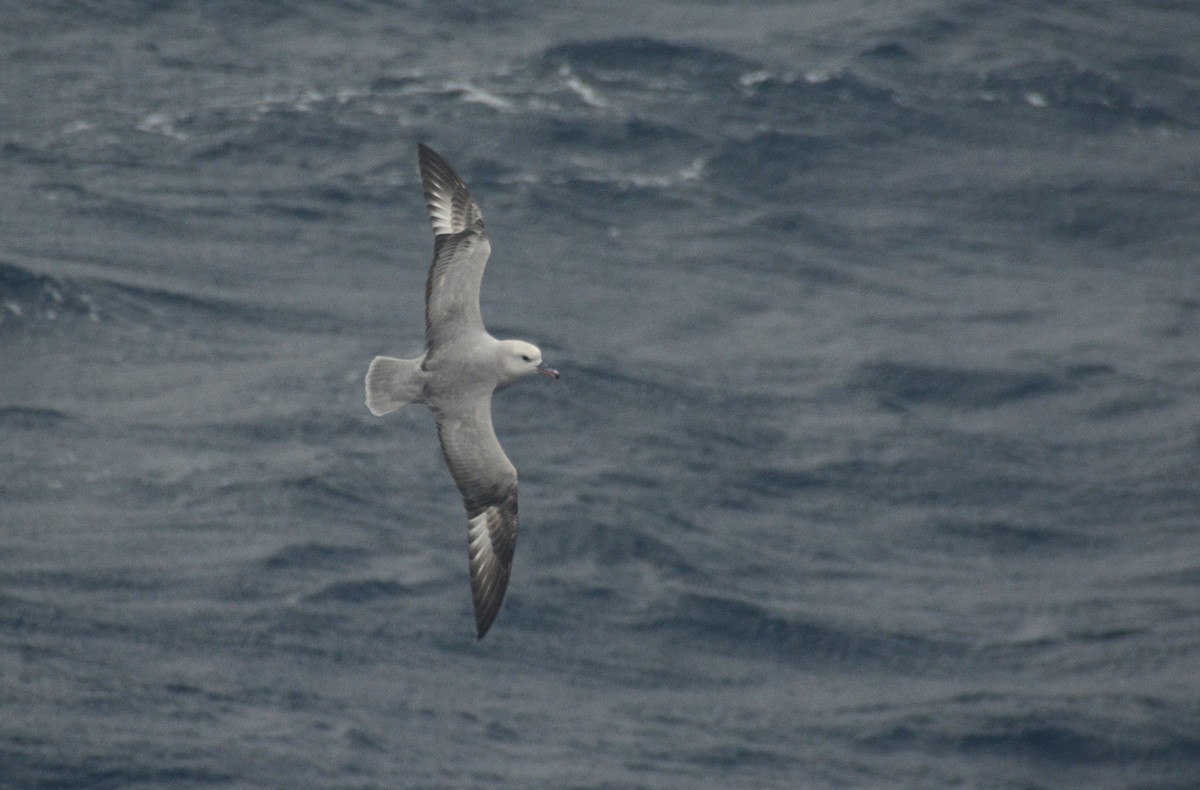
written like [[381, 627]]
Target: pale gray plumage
[[461, 367], [460, 253]]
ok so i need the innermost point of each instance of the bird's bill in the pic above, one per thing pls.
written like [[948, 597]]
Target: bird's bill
[[547, 371]]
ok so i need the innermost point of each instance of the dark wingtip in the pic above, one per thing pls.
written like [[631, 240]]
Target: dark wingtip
[[485, 617], [426, 156]]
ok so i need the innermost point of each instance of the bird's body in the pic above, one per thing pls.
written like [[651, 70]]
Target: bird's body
[[461, 367]]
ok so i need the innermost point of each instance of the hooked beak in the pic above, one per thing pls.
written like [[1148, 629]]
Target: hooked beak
[[547, 371]]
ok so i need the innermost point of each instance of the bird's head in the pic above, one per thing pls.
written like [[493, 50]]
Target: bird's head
[[518, 358]]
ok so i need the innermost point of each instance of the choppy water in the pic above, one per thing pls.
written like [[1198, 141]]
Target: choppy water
[[873, 464]]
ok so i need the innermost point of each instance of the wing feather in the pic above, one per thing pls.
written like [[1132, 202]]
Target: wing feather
[[452, 290], [460, 252], [451, 208], [487, 481]]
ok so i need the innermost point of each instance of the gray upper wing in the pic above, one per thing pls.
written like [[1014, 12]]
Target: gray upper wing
[[487, 481], [460, 252]]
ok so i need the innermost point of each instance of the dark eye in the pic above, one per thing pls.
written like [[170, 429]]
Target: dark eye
[[526, 357]]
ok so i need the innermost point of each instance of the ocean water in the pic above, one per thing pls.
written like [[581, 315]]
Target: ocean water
[[874, 462]]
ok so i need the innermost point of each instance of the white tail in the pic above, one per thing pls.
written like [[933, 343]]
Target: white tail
[[392, 383]]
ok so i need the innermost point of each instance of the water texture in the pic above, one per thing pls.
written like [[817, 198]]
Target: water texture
[[874, 462]]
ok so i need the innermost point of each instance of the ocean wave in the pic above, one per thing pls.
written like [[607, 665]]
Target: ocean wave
[[1045, 734], [359, 591], [1078, 90], [1116, 214], [780, 161], [309, 493], [1062, 84], [1002, 537], [901, 386], [733, 624], [613, 545], [644, 60], [32, 417], [786, 482], [872, 462], [29, 298], [314, 556]]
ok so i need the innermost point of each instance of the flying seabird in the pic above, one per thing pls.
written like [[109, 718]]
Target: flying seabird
[[461, 367]]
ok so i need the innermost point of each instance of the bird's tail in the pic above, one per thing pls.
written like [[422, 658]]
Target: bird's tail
[[392, 383]]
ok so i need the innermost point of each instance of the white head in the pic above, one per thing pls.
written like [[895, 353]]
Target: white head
[[518, 358]]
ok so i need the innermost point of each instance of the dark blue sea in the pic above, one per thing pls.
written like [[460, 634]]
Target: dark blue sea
[[875, 460]]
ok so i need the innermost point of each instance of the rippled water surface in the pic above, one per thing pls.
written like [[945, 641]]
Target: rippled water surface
[[874, 462]]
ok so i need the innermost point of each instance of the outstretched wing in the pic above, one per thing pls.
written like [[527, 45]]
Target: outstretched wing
[[451, 209], [488, 484], [460, 252]]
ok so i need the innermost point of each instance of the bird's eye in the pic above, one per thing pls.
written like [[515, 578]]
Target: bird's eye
[[526, 357]]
